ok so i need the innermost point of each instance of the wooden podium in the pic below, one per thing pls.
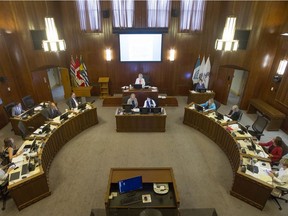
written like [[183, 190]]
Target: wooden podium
[[82, 91], [104, 86]]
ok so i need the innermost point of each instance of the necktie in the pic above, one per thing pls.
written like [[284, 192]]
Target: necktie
[[140, 81], [133, 103], [148, 104]]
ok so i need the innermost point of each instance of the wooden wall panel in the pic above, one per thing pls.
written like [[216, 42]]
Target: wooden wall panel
[[264, 19]]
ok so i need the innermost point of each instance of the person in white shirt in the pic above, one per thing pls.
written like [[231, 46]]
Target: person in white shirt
[[140, 80], [149, 102], [280, 178], [17, 110]]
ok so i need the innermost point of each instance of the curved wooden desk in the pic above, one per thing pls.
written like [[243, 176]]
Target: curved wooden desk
[[35, 187], [245, 187]]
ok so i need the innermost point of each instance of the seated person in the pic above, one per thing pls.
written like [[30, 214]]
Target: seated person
[[200, 85], [280, 178], [17, 110], [140, 80], [234, 113], [274, 148], [9, 151], [4, 173], [53, 111], [209, 105], [149, 102], [133, 100], [72, 102]]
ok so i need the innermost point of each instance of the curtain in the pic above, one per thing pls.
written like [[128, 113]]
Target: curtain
[[192, 15], [123, 13], [89, 15], [158, 13]]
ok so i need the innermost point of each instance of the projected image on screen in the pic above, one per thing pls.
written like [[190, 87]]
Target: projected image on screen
[[140, 47]]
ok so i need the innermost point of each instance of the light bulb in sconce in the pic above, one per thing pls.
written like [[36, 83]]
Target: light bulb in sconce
[[108, 54], [282, 67], [171, 54]]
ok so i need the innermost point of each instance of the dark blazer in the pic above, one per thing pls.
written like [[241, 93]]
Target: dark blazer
[[72, 104], [235, 116], [53, 113]]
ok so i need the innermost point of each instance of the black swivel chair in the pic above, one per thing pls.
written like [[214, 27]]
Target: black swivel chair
[[240, 116], [147, 79], [258, 127], [217, 104], [8, 108], [277, 195], [25, 132], [4, 193], [28, 102]]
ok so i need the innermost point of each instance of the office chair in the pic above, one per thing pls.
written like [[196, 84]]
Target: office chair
[[147, 79], [25, 132], [125, 99], [4, 192], [217, 104], [240, 116], [281, 191], [8, 108], [194, 86], [28, 102], [258, 127]]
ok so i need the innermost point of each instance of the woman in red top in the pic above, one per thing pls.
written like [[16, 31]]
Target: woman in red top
[[274, 148]]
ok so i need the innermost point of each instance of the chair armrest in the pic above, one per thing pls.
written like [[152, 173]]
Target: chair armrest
[[285, 190]]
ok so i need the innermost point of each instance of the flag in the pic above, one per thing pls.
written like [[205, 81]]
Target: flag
[[83, 72], [202, 69], [207, 73], [72, 72], [195, 75], [76, 77]]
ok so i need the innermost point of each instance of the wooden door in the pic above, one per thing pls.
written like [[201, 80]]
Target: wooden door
[[223, 83], [41, 86], [65, 80]]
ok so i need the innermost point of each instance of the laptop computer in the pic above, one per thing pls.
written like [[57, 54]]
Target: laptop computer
[[156, 110], [219, 116], [137, 86], [145, 110], [199, 108]]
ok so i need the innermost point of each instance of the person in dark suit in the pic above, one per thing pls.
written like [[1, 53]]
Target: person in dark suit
[[17, 110], [149, 102], [53, 111], [200, 85], [234, 113], [72, 102]]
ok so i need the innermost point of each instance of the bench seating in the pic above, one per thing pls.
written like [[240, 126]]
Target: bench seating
[[275, 116]]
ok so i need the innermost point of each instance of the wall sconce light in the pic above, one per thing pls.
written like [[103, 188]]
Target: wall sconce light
[[171, 54], [52, 44], [108, 54], [282, 67], [280, 71]]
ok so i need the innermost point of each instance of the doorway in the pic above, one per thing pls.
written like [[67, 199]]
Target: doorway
[[56, 86], [237, 87], [228, 76]]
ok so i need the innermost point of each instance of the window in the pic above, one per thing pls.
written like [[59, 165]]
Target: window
[[89, 15], [158, 13], [192, 15], [123, 13]]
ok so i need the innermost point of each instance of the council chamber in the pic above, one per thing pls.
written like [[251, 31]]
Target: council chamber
[[144, 107]]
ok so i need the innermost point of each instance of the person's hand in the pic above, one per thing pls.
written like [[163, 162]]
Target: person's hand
[[270, 174]]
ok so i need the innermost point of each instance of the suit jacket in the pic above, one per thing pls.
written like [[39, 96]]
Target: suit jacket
[[72, 104], [150, 103], [53, 113], [234, 116]]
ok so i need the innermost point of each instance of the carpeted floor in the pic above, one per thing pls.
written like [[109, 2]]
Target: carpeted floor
[[79, 172]]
